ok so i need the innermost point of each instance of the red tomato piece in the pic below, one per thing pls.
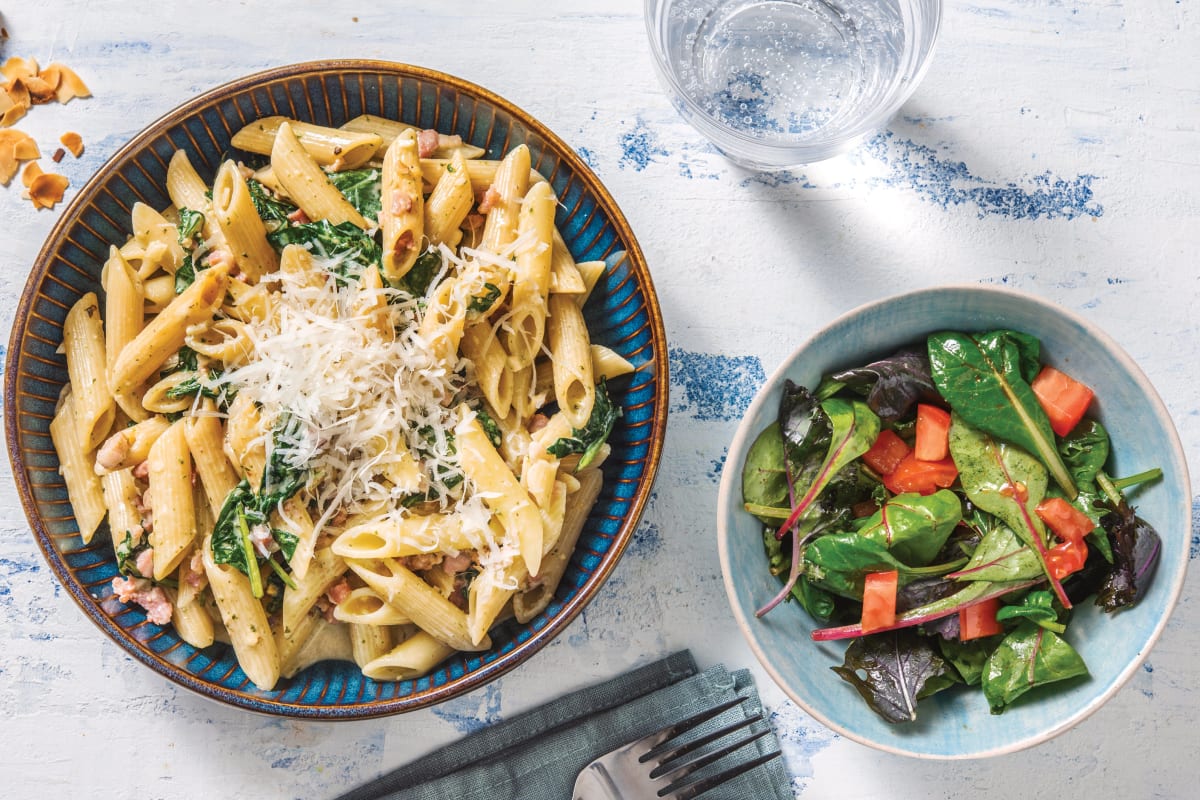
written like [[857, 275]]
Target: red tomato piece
[[933, 433], [879, 600], [1066, 558], [924, 477], [1064, 399], [888, 451], [1067, 522], [979, 620]]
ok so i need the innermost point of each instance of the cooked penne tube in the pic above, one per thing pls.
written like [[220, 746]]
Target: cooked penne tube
[[364, 606], [244, 232], [337, 148], [531, 276], [205, 440], [448, 204], [369, 642], [191, 620], [491, 366], [564, 274], [75, 465], [245, 619], [591, 272], [501, 491], [415, 656], [411, 536], [418, 601], [608, 363], [170, 477], [445, 145], [570, 352], [306, 184], [509, 187], [83, 339], [129, 446], [534, 600], [121, 497], [184, 185], [402, 211], [444, 322], [325, 569], [165, 334], [482, 172], [123, 313]]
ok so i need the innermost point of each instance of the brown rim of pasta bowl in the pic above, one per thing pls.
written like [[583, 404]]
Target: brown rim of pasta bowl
[[621, 313]]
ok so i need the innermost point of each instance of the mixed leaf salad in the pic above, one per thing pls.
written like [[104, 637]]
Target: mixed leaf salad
[[944, 509]]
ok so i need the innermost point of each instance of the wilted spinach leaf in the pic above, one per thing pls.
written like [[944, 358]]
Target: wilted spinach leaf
[[269, 208], [483, 303], [892, 385], [418, 279], [594, 434], [764, 477], [894, 667], [1029, 656], [969, 658], [1037, 607], [127, 554], [345, 243], [362, 188]]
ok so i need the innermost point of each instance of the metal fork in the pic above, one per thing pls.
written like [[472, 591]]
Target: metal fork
[[652, 767]]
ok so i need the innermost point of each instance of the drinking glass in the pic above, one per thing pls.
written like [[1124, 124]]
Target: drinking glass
[[782, 83]]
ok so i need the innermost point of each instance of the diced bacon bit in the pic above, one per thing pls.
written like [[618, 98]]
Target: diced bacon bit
[[244, 171], [112, 452], [73, 142], [421, 562], [538, 422], [47, 190], [474, 222], [427, 142], [221, 257], [299, 216], [151, 598], [338, 592], [404, 243], [194, 574], [457, 563], [141, 471], [489, 200], [145, 562], [402, 202]]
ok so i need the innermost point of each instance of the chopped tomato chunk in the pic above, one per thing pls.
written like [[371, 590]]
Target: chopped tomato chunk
[[1066, 558], [887, 452], [925, 477], [1067, 522], [879, 600], [933, 433], [1064, 399], [979, 620]]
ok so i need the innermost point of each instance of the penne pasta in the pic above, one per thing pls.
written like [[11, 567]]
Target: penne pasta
[[330, 147], [75, 465], [83, 339], [402, 214], [304, 182]]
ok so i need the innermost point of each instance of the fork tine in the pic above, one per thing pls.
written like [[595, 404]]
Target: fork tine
[[678, 774], [700, 787], [684, 749], [663, 737]]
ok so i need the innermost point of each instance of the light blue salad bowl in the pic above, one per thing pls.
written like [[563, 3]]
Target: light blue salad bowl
[[957, 724]]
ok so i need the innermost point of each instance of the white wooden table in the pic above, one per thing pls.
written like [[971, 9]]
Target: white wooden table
[[1053, 147]]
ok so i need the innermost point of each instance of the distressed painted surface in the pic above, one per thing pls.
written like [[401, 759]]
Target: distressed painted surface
[[1052, 148]]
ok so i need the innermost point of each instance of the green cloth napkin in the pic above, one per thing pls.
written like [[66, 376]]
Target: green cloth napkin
[[537, 755]]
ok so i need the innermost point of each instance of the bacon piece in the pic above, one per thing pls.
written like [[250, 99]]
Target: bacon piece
[[145, 562], [338, 592], [299, 216], [421, 562], [427, 142], [221, 257], [490, 198], [402, 202], [404, 243], [457, 563], [151, 598]]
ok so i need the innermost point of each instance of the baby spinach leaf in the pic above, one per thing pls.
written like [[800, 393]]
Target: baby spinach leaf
[[190, 224], [982, 378], [914, 527], [127, 553], [346, 243], [840, 562], [968, 658], [1085, 451], [1029, 656], [892, 385], [418, 279], [764, 478], [1037, 607], [590, 437], [269, 208], [361, 187], [1006, 481], [891, 670], [853, 429], [483, 303], [227, 535], [280, 478]]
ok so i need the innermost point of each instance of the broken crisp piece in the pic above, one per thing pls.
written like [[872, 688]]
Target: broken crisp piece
[[15, 146], [47, 190], [73, 142], [31, 171]]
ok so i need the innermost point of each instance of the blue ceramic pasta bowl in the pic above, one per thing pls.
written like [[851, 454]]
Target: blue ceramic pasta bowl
[[622, 313], [958, 724]]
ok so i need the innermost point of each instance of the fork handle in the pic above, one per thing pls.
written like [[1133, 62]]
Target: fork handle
[[594, 783]]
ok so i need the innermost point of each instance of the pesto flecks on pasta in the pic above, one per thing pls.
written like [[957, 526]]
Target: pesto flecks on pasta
[[321, 410]]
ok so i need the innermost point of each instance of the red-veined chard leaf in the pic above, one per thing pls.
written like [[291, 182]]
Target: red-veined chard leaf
[[1001, 556], [1006, 481], [982, 377], [1028, 656], [892, 385], [840, 562], [915, 527], [891, 670]]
